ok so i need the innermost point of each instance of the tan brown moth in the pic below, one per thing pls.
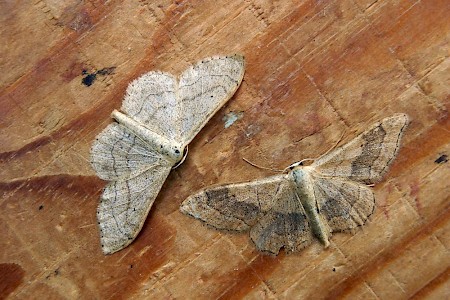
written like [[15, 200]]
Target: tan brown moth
[[290, 210]]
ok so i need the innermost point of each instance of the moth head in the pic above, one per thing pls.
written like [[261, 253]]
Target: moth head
[[293, 166], [296, 165], [182, 158]]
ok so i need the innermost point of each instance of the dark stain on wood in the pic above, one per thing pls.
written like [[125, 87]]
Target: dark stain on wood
[[442, 159], [414, 193], [11, 276], [244, 281], [53, 274], [89, 78]]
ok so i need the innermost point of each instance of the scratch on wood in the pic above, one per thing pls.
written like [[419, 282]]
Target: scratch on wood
[[414, 193], [335, 110]]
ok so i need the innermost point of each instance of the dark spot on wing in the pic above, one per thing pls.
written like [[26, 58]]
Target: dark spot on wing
[[278, 227], [371, 149], [284, 223], [331, 210], [228, 204]]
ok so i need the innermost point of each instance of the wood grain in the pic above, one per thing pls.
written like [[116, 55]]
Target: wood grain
[[315, 69]]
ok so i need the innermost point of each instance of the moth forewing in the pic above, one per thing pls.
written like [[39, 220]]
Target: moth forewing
[[368, 156], [304, 186], [213, 81]]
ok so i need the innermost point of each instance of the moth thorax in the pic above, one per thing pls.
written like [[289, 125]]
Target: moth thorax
[[170, 149], [302, 178], [301, 173]]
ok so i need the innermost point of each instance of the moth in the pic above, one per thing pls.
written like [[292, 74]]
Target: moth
[[161, 114], [290, 210]]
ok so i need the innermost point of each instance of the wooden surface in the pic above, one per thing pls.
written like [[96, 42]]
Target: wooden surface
[[315, 69]]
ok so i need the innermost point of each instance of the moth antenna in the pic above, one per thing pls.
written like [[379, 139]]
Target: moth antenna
[[305, 159], [296, 164], [300, 163], [335, 144], [261, 167]]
